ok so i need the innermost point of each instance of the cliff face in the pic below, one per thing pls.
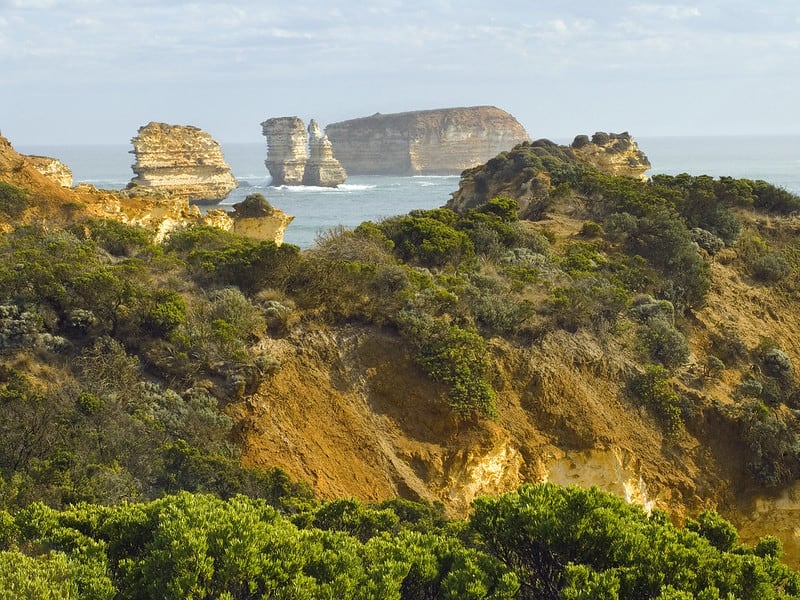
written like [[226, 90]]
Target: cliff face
[[441, 142], [286, 149], [52, 168], [182, 160], [322, 168]]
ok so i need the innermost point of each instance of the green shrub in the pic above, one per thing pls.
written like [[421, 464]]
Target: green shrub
[[707, 240], [773, 446], [774, 199], [771, 267], [428, 241], [721, 533], [167, 311], [219, 258], [588, 302], [12, 199], [455, 357], [590, 229], [655, 391], [663, 342], [115, 237]]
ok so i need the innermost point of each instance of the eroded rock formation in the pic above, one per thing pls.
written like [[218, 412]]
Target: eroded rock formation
[[52, 168], [322, 168], [434, 142], [612, 153], [183, 160], [48, 203], [286, 149], [257, 219]]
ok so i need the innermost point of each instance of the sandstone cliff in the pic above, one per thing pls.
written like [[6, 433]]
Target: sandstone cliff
[[322, 169], [286, 149], [52, 168], [182, 160], [433, 142]]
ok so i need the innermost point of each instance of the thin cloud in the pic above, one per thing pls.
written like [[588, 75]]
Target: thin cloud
[[667, 11]]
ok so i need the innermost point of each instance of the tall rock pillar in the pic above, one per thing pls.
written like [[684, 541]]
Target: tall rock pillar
[[322, 168], [286, 149]]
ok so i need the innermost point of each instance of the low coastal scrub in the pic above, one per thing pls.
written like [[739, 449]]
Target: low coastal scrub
[[536, 542]]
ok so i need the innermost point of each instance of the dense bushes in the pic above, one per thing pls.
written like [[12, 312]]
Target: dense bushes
[[219, 258], [573, 543], [12, 199], [456, 357], [537, 542], [655, 391]]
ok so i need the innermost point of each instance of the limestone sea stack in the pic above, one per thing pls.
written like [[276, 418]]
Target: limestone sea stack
[[182, 160], [286, 149], [322, 169], [427, 142]]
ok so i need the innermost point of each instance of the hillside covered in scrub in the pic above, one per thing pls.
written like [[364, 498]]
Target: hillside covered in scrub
[[552, 323]]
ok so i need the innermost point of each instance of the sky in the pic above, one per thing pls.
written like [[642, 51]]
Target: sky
[[94, 71]]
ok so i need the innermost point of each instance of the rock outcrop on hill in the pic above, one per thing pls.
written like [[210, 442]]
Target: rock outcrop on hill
[[183, 160], [52, 168], [256, 218], [322, 168], [524, 172], [286, 149], [612, 153], [427, 142]]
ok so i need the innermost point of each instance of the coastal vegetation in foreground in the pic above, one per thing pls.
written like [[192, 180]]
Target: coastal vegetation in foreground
[[540, 541]]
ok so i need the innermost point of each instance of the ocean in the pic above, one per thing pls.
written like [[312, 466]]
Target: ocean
[[775, 159]]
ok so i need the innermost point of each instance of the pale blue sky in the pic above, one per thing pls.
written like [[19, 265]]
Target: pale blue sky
[[93, 71]]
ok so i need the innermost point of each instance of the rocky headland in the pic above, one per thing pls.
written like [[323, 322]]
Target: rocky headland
[[426, 142], [519, 172], [182, 160], [52, 168], [296, 156]]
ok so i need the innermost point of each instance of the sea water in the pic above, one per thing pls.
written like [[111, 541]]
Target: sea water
[[775, 159]]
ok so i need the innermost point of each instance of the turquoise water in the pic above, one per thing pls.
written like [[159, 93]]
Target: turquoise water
[[773, 158]]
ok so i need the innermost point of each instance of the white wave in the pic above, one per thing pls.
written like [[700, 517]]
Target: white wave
[[355, 187], [435, 176], [253, 177], [345, 187]]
